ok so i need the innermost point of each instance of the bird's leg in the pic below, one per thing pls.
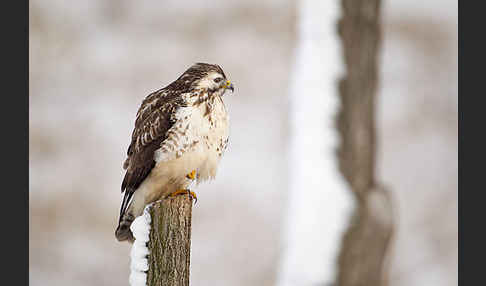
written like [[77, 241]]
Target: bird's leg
[[191, 176]]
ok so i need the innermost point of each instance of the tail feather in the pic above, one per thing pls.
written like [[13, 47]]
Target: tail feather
[[125, 220], [127, 196], [123, 231]]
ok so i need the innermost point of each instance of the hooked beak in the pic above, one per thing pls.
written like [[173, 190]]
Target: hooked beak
[[229, 85]]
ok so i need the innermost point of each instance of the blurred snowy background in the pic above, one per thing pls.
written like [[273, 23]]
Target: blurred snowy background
[[92, 63]]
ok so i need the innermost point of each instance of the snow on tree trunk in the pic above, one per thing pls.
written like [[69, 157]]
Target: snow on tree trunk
[[320, 202]]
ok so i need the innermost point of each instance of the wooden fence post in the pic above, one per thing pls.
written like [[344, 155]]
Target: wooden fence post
[[170, 242]]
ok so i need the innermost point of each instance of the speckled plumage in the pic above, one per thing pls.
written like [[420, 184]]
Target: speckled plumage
[[178, 129]]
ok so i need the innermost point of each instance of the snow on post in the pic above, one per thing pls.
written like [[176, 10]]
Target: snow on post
[[138, 255], [161, 251]]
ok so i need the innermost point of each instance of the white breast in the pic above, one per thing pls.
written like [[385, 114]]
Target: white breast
[[196, 141]]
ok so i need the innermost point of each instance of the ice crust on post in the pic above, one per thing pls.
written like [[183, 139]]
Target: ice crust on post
[[138, 255]]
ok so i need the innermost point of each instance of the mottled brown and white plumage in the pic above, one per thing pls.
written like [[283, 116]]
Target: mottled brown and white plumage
[[178, 129]]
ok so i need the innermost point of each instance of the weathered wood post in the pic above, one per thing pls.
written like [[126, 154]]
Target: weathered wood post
[[170, 242], [365, 244]]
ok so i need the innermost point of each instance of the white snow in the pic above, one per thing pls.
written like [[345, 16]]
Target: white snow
[[320, 203], [138, 255]]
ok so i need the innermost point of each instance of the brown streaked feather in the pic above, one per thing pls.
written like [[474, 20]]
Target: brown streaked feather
[[154, 119]]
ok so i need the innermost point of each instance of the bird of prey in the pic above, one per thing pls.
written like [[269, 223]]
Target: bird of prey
[[180, 134]]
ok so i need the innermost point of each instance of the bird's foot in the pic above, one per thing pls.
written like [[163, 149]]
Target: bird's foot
[[191, 175], [184, 192]]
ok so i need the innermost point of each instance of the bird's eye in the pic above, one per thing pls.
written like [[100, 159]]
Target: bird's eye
[[218, 79]]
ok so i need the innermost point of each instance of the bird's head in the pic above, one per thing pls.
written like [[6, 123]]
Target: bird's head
[[206, 77]]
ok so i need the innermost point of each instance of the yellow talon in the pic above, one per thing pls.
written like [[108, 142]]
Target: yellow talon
[[184, 192], [193, 194], [179, 192], [191, 175]]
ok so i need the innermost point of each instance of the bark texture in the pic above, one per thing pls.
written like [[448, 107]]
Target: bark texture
[[365, 244], [170, 242]]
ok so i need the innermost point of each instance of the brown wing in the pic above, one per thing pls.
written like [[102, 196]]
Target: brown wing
[[153, 121]]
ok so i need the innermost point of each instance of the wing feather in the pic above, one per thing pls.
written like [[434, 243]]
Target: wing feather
[[154, 119]]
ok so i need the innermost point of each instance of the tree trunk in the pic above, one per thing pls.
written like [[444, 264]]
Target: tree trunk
[[364, 247], [170, 242]]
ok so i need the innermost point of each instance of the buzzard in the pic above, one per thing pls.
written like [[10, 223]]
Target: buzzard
[[181, 132]]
